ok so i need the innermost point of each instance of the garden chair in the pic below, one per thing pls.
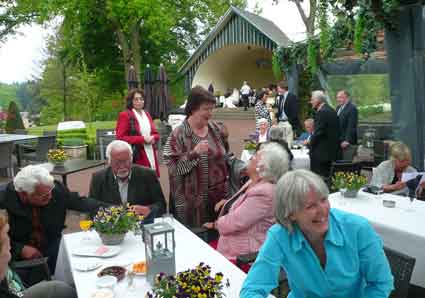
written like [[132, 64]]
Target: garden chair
[[402, 268]]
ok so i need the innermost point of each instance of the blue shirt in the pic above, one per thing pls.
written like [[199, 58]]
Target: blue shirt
[[356, 266]]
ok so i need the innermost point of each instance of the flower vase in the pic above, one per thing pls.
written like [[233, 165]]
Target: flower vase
[[58, 164], [111, 239], [351, 193]]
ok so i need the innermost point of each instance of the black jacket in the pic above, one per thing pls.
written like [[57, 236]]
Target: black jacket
[[325, 140], [52, 217], [143, 189], [348, 119], [291, 110]]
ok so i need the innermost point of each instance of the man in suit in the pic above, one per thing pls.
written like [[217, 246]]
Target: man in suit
[[36, 207], [287, 111], [126, 183], [348, 118], [324, 142]]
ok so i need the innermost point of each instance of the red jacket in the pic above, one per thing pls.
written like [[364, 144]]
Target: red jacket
[[123, 133]]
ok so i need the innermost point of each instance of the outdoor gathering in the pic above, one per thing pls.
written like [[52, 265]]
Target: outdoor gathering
[[212, 149]]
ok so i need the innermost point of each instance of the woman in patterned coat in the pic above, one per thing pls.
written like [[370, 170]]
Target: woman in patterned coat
[[195, 155]]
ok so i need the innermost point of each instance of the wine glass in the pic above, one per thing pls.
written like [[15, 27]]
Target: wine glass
[[85, 225], [412, 197], [342, 191]]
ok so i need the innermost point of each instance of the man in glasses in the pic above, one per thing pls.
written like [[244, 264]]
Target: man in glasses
[[125, 183], [36, 206]]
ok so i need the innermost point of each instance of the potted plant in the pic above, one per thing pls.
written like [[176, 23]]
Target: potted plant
[[251, 146], [349, 183], [57, 157], [114, 222], [196, 282]]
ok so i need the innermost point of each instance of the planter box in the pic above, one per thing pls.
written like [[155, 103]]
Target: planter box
[[76, 152]]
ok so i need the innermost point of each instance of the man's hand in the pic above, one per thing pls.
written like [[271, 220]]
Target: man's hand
[[345, 144], [209, 225], [422, 184], [218, 206], [29, 252], [140, 210]]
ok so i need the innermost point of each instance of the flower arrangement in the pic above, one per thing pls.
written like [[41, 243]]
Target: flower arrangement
[[57, 155], [250, 145], [192, 283], [116, 220], [348, 180]]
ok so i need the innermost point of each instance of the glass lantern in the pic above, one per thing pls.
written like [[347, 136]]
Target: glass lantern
[[368, 137], [159, 250]]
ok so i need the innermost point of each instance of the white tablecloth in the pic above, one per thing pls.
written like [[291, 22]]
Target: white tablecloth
[[399, 228], [301, 158], [190, 251]]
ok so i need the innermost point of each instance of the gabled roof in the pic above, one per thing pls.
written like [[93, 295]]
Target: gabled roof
[[266, 27]]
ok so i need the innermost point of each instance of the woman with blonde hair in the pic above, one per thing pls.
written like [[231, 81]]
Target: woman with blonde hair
[[388, 173]]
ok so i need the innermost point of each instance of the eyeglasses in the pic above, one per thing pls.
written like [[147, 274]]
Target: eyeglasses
[[138, 98], [47, 193]]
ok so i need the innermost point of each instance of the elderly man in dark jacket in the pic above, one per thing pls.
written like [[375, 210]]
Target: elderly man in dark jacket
[[125, 183], [36, 206]]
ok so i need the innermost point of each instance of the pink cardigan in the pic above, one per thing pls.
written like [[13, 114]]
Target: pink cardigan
[[243, 229]]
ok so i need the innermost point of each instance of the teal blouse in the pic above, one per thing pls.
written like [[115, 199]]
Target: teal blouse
[[356, 266]]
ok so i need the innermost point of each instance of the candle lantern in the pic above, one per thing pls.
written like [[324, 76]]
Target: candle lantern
[[160, 250]]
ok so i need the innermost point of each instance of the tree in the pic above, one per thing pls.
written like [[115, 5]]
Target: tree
[[14, 120]]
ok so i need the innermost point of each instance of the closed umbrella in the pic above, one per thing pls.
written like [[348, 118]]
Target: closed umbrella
[[132, 78], [148, 82], [161, 104]]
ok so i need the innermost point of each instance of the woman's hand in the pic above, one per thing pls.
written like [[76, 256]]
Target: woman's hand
[[220, 204], [201, 147], [148, 139], [209, 225]]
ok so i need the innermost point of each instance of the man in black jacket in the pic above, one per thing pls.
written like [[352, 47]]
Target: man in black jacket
[[348, 118], [36, 207], [124, 183], [287, 107], [324, 142]]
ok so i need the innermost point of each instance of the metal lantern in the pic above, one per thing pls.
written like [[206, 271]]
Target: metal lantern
[[369, 137], [160, 250]]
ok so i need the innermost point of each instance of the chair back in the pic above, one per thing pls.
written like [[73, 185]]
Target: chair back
[[103, 143], [380, 151], [20, 131], [45, 143], [6, 157], [100, 133], [349, 153], [402, 268], [49, 132]]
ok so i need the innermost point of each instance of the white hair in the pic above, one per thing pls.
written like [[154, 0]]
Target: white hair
[[118, 145], [291, 191], [263, 120], [275, 161], [319, 95], [31, 176]]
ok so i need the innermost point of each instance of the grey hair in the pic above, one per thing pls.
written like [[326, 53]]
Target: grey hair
[[309, 120], [319, 95], [276, 133], [274, 162], [31, 176], [118, 145], [263, 120], [291, 191]]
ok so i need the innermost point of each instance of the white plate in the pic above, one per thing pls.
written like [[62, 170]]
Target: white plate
[[97, 251], [87, 265]]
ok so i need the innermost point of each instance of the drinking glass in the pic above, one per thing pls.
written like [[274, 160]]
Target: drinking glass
[[85, 225], [342, 201], [412, 197]]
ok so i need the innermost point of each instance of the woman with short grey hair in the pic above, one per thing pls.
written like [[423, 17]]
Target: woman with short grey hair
[[324, 252], [243, 225]]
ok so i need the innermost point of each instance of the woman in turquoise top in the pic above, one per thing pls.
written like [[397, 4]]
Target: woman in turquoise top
[[325, 253]]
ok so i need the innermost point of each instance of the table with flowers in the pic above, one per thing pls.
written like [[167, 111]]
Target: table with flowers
[[401, 228], [190, 251]]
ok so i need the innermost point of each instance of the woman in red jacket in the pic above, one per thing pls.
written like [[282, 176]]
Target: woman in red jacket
[[135, 126]]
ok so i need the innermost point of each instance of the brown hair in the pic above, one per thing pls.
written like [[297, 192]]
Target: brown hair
[[130, 97], [198, 95], [3, 222], [283, 84]]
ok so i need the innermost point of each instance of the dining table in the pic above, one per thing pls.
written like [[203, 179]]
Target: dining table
[[190, 250], [17, 139], [401, 227]]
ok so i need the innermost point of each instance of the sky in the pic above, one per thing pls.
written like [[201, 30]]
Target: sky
[[22, 55]]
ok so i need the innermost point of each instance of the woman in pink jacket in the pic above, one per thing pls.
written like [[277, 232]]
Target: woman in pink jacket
[[243, 228]]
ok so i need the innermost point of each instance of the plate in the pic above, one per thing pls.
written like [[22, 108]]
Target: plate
[[86, 266], [116, 271], [103, 293], [98, 252]]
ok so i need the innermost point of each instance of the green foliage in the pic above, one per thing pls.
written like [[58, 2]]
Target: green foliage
[[14, 120], [325, 30], [358, 33], [72, 137], [312, 55], [7, 94], [276, 66]]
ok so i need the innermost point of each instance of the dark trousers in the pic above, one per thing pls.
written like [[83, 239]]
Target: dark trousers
[[245, 100], [322, 168]]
